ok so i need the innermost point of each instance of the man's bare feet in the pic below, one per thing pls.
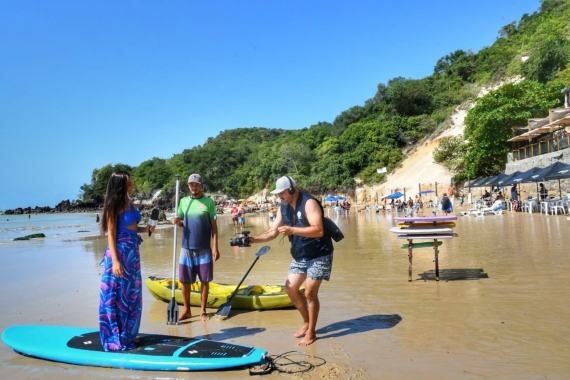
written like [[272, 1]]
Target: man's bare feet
[[186, 314], [302, 331], [204, 317], [307, 340]]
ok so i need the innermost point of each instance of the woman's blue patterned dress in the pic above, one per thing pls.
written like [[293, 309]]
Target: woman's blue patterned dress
[[120, 303]]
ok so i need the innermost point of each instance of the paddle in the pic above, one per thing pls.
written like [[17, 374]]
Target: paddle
[[225, 309], [172, 312]]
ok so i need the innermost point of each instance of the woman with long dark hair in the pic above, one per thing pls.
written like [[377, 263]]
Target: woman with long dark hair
[[120, 303]]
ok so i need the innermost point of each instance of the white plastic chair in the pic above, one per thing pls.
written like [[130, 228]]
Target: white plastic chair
[[556, 206], [529, 205]]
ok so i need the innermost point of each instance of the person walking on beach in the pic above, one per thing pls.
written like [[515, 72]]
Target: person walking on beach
[[120, 302], [300, 218], [542, 192], [515, 197], [197, 215], [446, 204], [241, 217], [234, 213]]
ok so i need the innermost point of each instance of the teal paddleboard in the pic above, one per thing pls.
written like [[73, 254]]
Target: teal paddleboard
[[82, 346]]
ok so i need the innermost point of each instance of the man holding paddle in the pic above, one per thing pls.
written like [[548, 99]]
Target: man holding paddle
[[300, 218], [197, 215]]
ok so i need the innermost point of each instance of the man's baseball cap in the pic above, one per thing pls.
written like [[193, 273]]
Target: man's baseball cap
[[195, 178], [283, 183]]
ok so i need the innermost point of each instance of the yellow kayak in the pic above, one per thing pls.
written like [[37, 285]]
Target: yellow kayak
[[248, 297]]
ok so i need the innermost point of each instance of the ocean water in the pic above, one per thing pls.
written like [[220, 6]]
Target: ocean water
[[51, 225]]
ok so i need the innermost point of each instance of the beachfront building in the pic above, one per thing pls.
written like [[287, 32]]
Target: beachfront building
[[542, 141]]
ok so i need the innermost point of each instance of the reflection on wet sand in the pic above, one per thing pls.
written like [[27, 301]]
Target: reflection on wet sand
[[499, 311]]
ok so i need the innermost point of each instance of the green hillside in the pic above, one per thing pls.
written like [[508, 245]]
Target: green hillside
[[328, 156]]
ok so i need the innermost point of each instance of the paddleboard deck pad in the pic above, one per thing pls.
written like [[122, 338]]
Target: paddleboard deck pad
[[422, 230], [82, 346]]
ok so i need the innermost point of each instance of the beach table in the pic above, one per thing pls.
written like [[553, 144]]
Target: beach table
[[424, 228]]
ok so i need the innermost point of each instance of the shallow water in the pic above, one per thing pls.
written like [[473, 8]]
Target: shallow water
[[500, 310], [54, 225]]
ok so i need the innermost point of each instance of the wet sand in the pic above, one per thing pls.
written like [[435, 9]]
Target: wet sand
[[512, 323]]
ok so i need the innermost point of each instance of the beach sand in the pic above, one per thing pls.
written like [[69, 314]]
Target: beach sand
[[510, 323]]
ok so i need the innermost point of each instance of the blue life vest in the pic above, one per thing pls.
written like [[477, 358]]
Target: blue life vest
[[303, 247]]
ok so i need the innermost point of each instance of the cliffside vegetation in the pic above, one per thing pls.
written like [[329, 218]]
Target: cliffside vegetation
[[329, 156]]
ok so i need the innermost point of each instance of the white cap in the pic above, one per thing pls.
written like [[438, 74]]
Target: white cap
[[284, 183], [195, 178]]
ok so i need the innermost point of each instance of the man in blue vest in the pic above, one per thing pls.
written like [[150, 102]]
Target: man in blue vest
[[300, 218]]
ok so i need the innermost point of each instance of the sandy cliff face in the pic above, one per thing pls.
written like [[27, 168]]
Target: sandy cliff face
[[418, 169]]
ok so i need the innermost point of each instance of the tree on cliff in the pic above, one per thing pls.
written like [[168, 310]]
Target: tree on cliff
[[95, 191], [488, 125]]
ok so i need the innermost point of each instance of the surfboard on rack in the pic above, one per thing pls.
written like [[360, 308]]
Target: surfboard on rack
[[434, 237], [424, 244], [426, 224], [413, 230], [432, 219], [82, 346]]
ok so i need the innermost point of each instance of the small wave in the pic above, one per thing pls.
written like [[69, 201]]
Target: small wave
[[38, 228]]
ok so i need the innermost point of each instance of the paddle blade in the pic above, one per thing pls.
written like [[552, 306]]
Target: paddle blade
[[172, 312], [263, 250], [224, 310]]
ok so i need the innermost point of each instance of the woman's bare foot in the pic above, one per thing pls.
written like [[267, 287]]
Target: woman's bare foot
[[204, 317], [302, 331], [307, 340], [185, 315]]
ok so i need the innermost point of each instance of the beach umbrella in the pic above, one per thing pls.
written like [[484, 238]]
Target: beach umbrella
[[556, 170], [426, 192], [340, 197], [395, 195], [549, 171], [490, 181], [497, 181], [471, 183], [559, 172], [331, 198], [520, 177], [509, 179], [480, 181]]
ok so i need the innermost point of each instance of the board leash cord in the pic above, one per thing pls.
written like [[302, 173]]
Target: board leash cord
[[289, 362]]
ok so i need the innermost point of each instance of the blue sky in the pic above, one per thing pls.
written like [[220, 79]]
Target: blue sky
[[88, 83]]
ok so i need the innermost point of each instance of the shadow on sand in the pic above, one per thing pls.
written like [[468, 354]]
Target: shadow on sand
[[359, 325], [232, 333], [454, 274]]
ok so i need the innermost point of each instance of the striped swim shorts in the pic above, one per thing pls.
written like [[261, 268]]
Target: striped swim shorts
[[196, 263], [315, 269]]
